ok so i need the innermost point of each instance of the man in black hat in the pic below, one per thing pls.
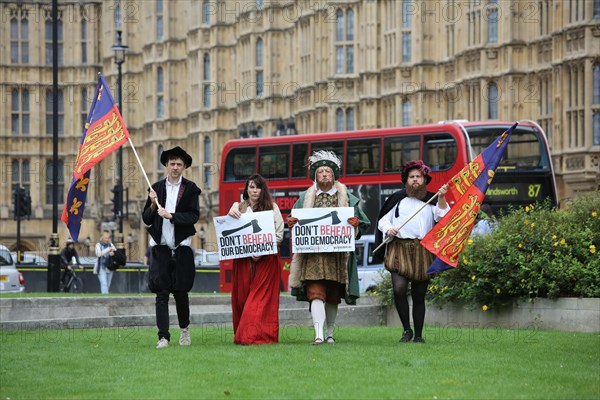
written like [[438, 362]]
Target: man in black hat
[[405, 257], [170, 224]]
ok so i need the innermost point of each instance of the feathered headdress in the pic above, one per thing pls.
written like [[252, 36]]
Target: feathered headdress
[[325, 158]]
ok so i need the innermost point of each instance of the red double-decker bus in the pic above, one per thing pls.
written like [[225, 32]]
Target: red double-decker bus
[[372, 161]]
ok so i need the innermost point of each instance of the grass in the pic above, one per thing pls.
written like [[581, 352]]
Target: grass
[[122, 363]]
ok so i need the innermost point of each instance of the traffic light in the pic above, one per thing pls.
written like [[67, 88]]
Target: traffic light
[[21, 203], [25, 203], [16, 201], [116, 200]]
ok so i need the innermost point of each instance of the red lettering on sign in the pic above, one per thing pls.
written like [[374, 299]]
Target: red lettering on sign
[[257, 238], [335, 230]]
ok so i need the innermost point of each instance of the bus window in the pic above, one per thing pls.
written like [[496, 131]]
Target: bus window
[[337, 147], [398, 150], [439, 151], [273, 161], [362, 156], [240, 164], [524, 151], [299, 160]]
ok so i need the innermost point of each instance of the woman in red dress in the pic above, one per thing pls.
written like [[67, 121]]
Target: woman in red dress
[[256, 279]]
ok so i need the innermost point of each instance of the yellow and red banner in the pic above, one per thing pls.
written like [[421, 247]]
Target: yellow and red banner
[[447, 239], [103, 133]]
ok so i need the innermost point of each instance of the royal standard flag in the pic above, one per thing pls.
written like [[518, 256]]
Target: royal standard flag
[[103, 133], [448, 237]]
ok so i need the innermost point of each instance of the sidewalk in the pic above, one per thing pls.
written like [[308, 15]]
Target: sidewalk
[[127, 311]]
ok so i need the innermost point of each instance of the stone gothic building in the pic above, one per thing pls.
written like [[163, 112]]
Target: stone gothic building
[[199, 73]]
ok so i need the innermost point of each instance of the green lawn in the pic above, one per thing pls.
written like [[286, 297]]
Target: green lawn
[[122, 363]]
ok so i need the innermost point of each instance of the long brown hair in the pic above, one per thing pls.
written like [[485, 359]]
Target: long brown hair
[[265, 201]]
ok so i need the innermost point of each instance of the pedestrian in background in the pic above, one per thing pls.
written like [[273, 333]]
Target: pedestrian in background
[[104, 251]]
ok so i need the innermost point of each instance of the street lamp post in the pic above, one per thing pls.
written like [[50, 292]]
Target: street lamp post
[[119, 50]]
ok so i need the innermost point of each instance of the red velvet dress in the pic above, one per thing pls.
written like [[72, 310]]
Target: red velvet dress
[[255, 300]]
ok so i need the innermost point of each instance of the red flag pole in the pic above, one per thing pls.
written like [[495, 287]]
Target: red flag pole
[[389, 238], [142, 167]]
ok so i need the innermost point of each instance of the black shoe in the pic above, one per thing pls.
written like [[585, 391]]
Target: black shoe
[[419, 339], [406, 336]]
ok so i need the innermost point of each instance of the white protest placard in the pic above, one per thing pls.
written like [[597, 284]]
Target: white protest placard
[[322, 230], [251, 235]]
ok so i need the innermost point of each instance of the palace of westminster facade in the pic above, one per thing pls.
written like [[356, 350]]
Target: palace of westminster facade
[[199, 73]]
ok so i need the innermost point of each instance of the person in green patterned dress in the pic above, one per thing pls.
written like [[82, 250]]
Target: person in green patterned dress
[[323, 279]]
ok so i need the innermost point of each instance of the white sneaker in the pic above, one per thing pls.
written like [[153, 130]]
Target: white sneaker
[[162, 343], [184, 338]]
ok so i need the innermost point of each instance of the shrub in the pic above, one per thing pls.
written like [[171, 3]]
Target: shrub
[[533, 252]]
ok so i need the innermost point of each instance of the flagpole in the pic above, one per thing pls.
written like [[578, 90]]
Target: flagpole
[[142, 167], [389, 238]]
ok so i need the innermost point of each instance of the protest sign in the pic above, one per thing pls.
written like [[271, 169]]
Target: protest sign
[[251, 235], [322, 230]]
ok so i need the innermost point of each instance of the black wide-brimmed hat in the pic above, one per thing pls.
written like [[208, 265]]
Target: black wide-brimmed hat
[[417, 164], [177, 152]]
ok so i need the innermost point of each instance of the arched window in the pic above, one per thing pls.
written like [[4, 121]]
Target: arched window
[[259, 68], [20, 112], [350, 25], [206, 62], [60, 166], [349, 119], [84, 41], [160, 99], [406, 30], [48, 42], [492, 101], [259, 52], [492, 18], [50, 113], [344, 42], [406, 113], [159, 165], [205, 12], [206, 95], [19, 40], [26, 174], [339, 120], [207, 170], [339, 25], [596, 83], [207, 156], [16, 172], [160, 80], [160, 28]]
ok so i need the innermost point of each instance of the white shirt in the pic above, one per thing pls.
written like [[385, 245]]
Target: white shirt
[[168, 229], [418, 226], [330, 192]]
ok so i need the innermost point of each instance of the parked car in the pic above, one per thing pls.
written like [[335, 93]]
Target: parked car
[[31, 258], [11, 280], [368, 272]]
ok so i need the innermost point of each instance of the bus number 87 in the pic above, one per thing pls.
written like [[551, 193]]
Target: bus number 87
[[534, 190]]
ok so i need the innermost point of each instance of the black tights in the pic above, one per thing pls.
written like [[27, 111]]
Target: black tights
[[417, 292]]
